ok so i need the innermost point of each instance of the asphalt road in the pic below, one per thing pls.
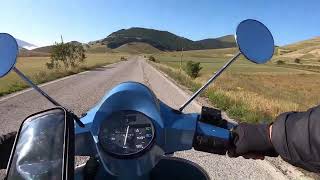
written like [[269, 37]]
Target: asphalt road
[[81, 92]]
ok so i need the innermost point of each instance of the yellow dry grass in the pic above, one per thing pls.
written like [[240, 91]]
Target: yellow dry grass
[[265, 89], [35, 68]]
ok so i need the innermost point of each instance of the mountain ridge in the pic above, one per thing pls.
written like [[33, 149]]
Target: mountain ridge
[[162, 40]]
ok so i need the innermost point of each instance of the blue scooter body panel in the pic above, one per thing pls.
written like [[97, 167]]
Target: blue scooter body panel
[[174, 131]]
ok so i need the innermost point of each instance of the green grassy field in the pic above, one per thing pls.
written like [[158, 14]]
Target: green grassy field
[[247, 91], [35, 68]]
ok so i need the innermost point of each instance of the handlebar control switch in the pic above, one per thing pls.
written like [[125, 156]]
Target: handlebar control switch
[[213, 116]]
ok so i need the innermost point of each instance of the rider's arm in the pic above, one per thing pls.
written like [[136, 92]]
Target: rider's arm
[[296, 137], [6, 144]]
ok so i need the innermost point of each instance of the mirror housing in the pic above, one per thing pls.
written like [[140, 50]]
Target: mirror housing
[[8, 53], [44, 147], [255, 41]]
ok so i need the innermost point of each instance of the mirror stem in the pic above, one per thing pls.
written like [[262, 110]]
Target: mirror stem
[[26, 79], [217, 74]]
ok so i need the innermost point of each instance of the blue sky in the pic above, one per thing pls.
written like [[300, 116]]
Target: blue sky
[[42, 22]]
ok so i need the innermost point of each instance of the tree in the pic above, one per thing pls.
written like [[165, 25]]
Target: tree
[[193, 69], [68, 54]]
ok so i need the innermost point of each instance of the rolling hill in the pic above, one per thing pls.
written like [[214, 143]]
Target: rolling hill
[[221, 42], [25, 45], [307, 52], [98, 48], [48, 49], [149, 41], [137, 48], [163, 40], [30, 53], [44, 49], [39, 51]]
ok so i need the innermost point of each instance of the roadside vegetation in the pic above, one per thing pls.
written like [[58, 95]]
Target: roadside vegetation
[[192, 69], [36, 69], [246, 91], [153, 59], [69, 55]]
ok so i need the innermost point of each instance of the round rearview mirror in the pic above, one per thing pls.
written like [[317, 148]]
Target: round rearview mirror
[[8, 53], [255, 41]]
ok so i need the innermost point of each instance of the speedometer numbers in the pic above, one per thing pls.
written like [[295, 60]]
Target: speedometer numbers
[[126, 133]]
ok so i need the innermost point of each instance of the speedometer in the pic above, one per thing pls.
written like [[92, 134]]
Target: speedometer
[[126, 133]]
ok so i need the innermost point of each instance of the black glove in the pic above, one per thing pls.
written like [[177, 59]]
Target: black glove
[[251, 139], [6, 144]]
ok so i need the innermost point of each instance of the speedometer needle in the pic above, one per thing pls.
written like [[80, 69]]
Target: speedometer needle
[[125, 138]]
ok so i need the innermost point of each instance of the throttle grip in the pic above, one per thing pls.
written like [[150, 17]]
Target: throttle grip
[[209, 144], [211, 139]]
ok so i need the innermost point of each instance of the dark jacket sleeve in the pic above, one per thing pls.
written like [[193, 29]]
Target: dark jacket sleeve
[[296, 137], [6, 144]]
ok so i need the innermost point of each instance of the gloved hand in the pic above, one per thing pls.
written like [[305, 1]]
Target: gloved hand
[[6, 145], [252, 141]]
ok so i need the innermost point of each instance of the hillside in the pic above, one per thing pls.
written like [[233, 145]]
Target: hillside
[[44, 49], [314, 42], [25, 45], [137, 48], [227, 39], [221, 42], [48, 49], [162, 40], [30, 53], [98, 48], [307, 52]]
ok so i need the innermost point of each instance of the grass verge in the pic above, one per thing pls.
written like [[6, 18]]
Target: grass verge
[[234, 108], [35, 69]]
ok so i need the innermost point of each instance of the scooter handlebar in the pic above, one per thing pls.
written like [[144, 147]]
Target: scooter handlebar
[[211, 139]]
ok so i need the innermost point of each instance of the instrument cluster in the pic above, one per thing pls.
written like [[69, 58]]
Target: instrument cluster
[[126, 133]]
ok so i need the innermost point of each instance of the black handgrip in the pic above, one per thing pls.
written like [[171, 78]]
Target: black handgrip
[[211, 144]]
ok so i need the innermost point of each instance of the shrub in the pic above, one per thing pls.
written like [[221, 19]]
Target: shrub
[[70, 55], [123, 58], [280, 62], [151, 58], [297, 60], [192, 69]]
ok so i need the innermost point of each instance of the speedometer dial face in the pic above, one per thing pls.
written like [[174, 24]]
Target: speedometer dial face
[[126, 133]]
